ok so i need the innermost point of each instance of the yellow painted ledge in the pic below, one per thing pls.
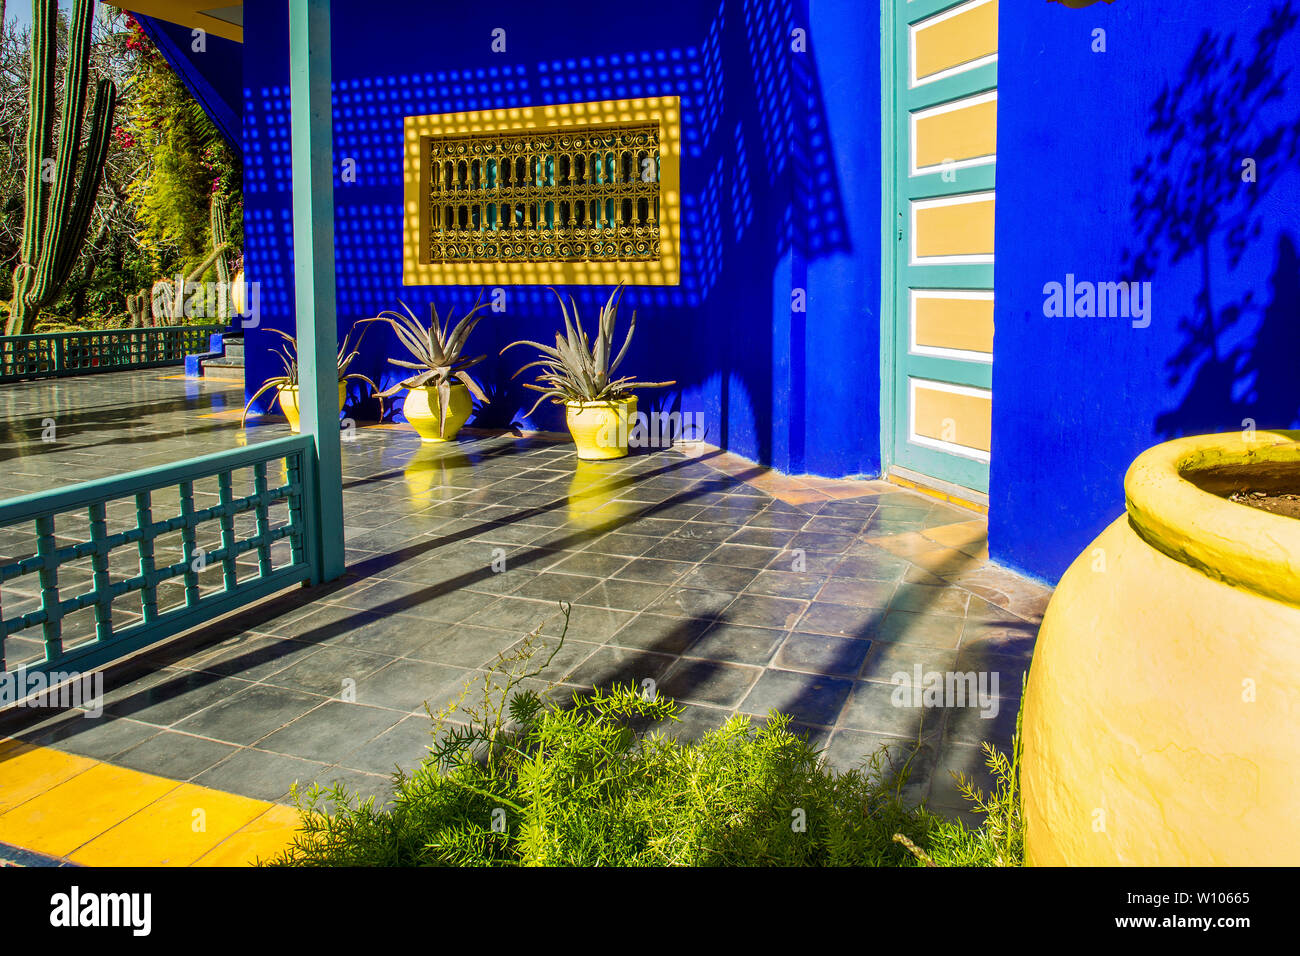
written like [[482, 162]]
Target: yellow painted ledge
[[96, 814]]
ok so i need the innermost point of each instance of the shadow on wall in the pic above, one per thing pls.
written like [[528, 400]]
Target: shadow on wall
[[755, 132], [1200, 199]]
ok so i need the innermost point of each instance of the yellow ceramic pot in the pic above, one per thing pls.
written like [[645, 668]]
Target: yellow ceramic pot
[[1160, 721], [421, 410], [601, 429], [238, 293], [288, 396]]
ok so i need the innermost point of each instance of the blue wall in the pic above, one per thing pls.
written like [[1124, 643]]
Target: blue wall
[[779, 180], [1126, 165]]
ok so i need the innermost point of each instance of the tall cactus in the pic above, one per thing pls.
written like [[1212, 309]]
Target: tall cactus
[[55, 218], [220, 240]]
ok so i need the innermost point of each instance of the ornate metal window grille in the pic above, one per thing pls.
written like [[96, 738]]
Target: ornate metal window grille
[[560, 194]]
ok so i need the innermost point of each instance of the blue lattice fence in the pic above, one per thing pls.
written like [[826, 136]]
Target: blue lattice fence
[[108, 350], [95, 571]]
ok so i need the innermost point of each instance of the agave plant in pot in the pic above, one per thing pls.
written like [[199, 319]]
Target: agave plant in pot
[[286, 385], [578, 373], [438, 399]]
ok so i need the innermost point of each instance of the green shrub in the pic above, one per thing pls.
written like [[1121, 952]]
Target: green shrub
[[528, 782]]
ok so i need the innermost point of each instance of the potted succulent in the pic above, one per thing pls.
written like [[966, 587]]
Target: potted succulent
[[286, 385], [1159, 716], [438, 399], [577, 373]]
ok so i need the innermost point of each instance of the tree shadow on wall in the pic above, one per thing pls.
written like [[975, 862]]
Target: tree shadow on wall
[[1199, 199]]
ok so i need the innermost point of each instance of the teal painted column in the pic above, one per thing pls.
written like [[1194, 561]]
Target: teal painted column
[[313, 267]]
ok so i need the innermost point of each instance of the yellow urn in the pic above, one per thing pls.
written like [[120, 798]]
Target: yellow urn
[[288, 398], [1162, 713], [421, 410], [601, 429]]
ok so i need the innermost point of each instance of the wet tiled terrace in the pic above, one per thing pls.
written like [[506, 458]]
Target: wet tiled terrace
[[733, 589]]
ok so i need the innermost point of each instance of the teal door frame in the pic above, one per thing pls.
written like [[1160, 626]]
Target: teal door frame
[[898, 275], [311, 132]]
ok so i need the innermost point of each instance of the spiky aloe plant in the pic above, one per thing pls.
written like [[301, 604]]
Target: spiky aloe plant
[[579, 369], [288, 356], [437, 351], [58, 203]]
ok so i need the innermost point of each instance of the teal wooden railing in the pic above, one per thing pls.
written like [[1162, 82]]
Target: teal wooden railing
[[108, 350], [98, 570]]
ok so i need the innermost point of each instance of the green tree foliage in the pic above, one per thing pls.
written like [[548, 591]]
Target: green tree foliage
[[187, 165], [165, 163]]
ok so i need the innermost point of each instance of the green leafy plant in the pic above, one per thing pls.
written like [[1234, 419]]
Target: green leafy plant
[[579, 369], [523, 780], [288, 356], [437, 350], [58, 204]]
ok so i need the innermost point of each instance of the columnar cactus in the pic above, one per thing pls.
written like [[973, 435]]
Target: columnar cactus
[[220, 240], [56, 215]]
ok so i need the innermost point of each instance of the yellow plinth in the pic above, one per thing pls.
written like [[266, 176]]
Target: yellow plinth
[[1161, 715]]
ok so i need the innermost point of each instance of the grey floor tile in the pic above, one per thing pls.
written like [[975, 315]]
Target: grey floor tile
[[893, 663], [250, 713], [894, 710], [857, 593], [906, 627], [358, 787], [692, 602], [718, 577], [841, 620], [923, 599], [756, 610], [617, 665], [653, 570], [465, 645], [709, 682], [808, 698], [329, 671], [786, 584], [737, 644], [333, 728], [404, 745], [261, 775], [178, 756], [406, 685], [658, 632], [623, 595], [175, 696], [100, 737], [594, 625], [822, 654]]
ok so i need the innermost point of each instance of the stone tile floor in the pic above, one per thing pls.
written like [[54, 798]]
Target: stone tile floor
[[733, 589]]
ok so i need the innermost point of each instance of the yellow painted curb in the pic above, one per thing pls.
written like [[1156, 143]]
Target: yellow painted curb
[[97, 814]]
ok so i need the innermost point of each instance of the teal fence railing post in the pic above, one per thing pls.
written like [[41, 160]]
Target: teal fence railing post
[[135, 515], [312, 115]]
